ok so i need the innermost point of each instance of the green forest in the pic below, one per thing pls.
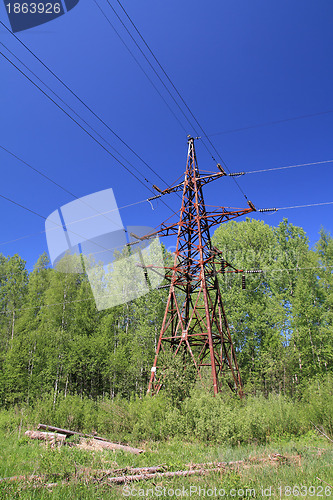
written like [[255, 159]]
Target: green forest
[[55, 342]]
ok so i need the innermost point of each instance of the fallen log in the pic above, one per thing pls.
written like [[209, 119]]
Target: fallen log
[[18, 478], [219, 465], [29, 478], [132, 470], [107, 445], [51, 428], [53, 437], [143, 470], [143, 477]]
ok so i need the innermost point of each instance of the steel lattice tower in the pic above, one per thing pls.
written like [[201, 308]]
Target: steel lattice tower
[[195, 322]]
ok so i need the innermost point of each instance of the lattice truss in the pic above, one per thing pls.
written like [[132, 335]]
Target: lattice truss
[[195, 325]]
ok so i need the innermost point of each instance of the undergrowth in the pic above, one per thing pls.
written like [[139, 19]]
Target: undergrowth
[[199, 418]]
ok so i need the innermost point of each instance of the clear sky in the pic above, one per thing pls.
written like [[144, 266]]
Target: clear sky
[[238, 64]]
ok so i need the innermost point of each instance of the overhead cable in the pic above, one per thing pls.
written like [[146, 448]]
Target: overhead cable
[[289, 166], [265, 124], [22, 206], [83, 128], [65, 302], [309, 205], [98, 142], [147, 60], [79, 116], [140, 66], [42, 216], [73, 119], [79, 220], [81, 101], [174, 87]]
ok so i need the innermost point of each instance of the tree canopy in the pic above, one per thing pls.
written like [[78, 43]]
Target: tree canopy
[[53, 339]]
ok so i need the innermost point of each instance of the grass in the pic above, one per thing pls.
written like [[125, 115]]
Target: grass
[[312, 466], [200, 429]]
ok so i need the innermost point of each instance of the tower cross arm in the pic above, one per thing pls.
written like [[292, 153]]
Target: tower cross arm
[[165, 230], [213, 218], [201, 180], [225, 215]]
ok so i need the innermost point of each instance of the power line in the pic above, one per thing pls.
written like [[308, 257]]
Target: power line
[[138, 202], [73, 111], [298, 269], [98, 142], [160, 66], [79, 220], [73, 119], [309, 205], [43, 217], [60, 225], [256, 271], [68, 224], [278, 168], [30, 166], [81, 101], [51, 180], [22, 206], [107, 295], [21, 238], [109, 128], [127, 206], [174, 87], [150, 64], [103, 213], [84, 129], [36, 170], [67, 191], [265, 124], [140, 66], [289, 166], [120, 208]]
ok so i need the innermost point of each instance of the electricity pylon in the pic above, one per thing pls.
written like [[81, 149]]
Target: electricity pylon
[[195, 325]]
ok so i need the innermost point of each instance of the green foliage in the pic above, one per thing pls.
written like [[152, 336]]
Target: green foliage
[[318, 399], [79, 466], [178, 376], [200, 417], [281, 324], [54, 342]]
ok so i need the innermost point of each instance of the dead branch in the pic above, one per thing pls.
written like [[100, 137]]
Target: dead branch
[[51, 428], [321, 432], [324, 482]]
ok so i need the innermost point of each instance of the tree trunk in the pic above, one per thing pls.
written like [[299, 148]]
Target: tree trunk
[[13, 323]]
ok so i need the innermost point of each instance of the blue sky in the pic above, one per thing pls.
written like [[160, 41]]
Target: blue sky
[[237, 64]]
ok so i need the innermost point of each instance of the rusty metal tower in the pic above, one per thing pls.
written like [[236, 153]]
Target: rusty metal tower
[[195, 322]]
